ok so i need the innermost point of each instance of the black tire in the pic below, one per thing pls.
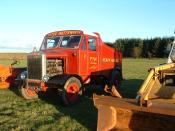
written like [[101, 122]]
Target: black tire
[[72, 91], [27, 93]]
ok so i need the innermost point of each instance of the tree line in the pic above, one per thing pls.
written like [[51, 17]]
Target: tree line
[[143, 48]]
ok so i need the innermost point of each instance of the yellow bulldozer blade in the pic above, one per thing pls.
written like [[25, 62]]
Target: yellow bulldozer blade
[[126, 114]]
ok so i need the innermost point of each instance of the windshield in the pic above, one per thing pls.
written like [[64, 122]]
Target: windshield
[[70, 42], [61, 41]]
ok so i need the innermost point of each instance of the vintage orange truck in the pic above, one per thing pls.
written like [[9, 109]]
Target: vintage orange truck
[[67, 60]]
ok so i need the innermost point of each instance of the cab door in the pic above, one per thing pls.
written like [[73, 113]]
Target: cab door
[[93, 56], [83, 58]]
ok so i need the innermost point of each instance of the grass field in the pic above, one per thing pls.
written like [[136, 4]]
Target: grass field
[[4, 56], [46, 113]]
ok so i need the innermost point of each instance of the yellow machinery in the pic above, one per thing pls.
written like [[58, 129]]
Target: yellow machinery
[[153, 108]]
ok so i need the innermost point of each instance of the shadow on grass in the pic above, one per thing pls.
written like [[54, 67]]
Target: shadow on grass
[[83, 112], [130, 87]]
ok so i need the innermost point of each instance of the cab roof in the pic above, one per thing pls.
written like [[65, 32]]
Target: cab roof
[[70, 32]]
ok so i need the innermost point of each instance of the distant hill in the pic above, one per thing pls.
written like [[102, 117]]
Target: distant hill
[[9, 56]]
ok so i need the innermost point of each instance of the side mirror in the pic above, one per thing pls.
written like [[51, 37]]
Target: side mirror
[[34, 50]]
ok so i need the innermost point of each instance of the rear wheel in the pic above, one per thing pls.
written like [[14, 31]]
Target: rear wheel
[[27, 92], [72, 91]]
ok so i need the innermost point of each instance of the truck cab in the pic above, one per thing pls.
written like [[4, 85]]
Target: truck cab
[[67, 60]]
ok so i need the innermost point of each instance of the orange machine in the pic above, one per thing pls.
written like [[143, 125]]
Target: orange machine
[[5, 72], [8, 75]]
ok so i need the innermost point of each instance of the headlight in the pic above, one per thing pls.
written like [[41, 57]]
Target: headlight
[[45, 78], [23, 76]]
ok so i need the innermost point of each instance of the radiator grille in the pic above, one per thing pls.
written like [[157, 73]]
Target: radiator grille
[[38, 66], [35, 67]]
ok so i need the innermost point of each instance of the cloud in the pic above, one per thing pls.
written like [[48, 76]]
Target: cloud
[[11, 41]]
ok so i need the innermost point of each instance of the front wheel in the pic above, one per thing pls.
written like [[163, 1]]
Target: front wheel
[[72, 91], [27, 92]]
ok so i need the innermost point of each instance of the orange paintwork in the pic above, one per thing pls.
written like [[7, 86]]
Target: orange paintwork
[[5, 72], [44, 87], [73, 91], [8, 74]]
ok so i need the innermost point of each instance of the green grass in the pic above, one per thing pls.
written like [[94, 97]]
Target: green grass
[[134, 72], [7, 62], [46, 113]]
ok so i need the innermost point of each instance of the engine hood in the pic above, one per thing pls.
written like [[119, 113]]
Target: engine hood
[[55, 53]]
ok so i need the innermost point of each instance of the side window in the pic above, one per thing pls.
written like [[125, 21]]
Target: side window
[[83, 47], [92, 44]]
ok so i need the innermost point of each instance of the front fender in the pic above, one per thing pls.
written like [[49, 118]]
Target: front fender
[[19, 76]]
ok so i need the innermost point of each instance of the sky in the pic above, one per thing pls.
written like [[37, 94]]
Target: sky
[[24, 23]]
